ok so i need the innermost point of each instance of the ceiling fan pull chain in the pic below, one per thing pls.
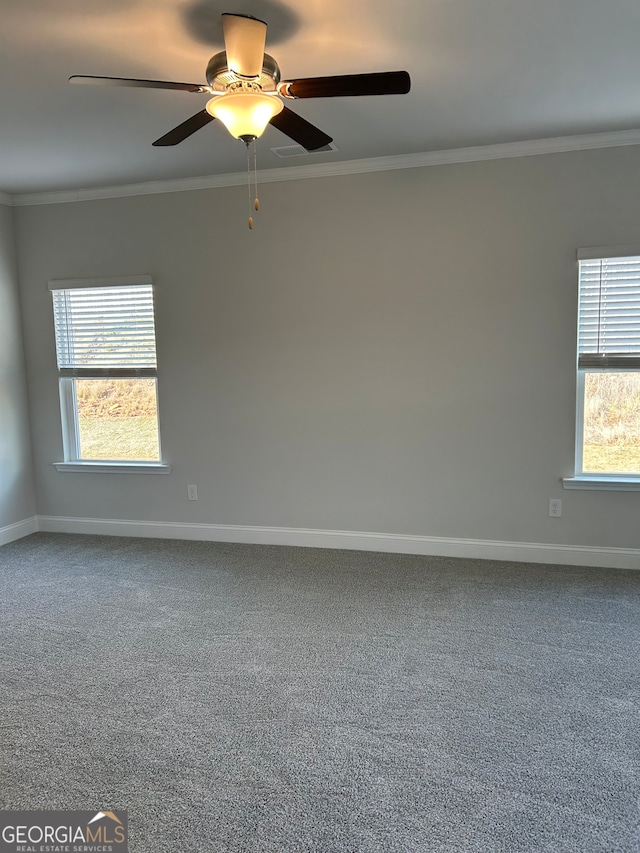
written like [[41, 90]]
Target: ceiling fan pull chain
[[249, 186], [256, 202]]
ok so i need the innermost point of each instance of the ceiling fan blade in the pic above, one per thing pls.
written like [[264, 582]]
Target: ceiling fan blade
[[383, 83], [244, 41], [85, 80], [300, 130], [182, 131]]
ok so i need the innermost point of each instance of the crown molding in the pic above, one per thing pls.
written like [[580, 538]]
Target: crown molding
[[500, 151]]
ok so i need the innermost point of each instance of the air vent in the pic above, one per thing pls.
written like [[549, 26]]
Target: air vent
[[298, 151]]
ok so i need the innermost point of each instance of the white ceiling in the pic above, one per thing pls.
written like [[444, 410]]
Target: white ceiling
[[482, 72]]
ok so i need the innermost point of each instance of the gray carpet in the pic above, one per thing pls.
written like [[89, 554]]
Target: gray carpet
[[246, 699]]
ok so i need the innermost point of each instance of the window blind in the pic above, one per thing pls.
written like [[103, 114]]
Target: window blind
[[105, 330], [609, 313]]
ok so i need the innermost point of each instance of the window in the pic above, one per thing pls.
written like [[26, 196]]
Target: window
[[106, 353], [608, 412]]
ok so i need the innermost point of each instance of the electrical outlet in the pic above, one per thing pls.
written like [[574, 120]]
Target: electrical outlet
[[192, 493], [555, 508]]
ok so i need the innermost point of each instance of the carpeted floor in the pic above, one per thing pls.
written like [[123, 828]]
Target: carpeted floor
[[247, 699]]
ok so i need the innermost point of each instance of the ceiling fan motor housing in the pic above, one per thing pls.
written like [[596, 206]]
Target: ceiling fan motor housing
[[220, 77]]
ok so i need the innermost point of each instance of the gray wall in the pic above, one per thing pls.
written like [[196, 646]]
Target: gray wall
[[389, 352], [17, 501]]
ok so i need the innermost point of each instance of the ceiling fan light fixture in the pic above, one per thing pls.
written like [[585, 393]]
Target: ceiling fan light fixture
[[245, 114]]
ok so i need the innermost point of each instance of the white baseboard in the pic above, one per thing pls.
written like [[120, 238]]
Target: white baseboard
[[528, 552], [16, 531]]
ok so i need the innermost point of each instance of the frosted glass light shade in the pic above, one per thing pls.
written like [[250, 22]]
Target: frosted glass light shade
[[245, 114]]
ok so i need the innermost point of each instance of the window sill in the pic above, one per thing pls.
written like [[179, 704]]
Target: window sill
[[609, 484], [113, 467]]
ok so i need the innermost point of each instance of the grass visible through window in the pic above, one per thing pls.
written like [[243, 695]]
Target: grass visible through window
[[611, 423], [117, 419]]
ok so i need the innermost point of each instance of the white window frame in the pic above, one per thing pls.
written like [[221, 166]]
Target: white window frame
[[68, 404], [614, 481]]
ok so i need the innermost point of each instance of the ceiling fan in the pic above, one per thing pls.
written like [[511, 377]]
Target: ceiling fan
[[247, 92]]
